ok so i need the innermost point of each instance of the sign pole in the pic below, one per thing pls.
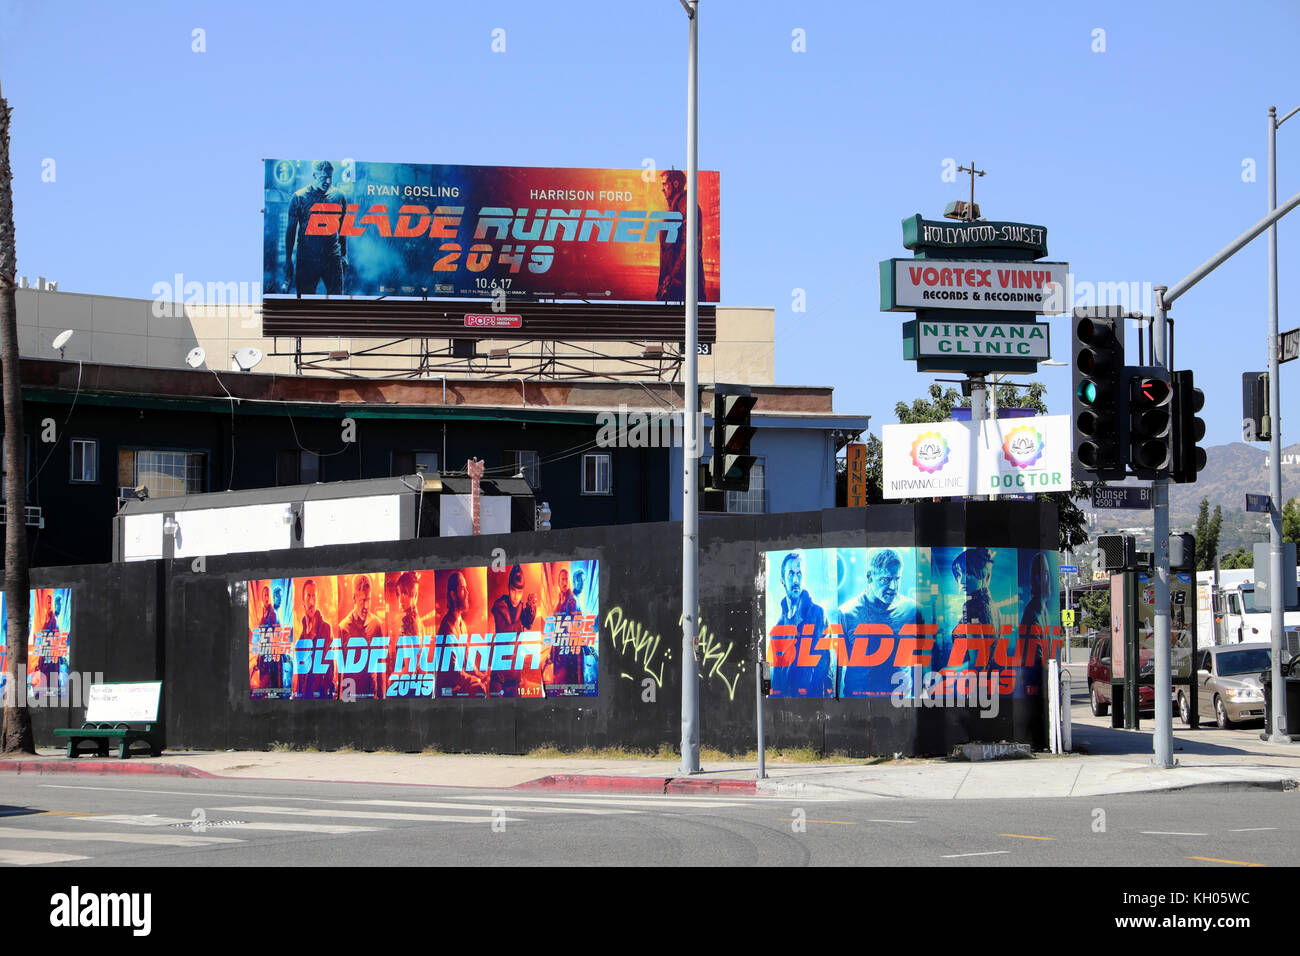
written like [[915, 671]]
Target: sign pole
[[1276, 599], [691, 453]]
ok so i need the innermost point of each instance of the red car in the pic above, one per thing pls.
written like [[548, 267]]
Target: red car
[[1099, 675]]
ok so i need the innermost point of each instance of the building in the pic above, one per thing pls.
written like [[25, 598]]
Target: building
[[597, 451]]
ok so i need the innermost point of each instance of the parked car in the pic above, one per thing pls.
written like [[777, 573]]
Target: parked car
[[1228, 683], [1099, 675]]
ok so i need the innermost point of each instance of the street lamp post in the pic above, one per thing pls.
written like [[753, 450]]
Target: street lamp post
[[691, 453], [1277, 591]]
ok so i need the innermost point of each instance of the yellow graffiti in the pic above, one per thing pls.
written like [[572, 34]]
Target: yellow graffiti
[[644, 646], [634, 640]]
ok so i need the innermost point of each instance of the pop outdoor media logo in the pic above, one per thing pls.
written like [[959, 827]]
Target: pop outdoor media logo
[[1023, 447], [929, 452]]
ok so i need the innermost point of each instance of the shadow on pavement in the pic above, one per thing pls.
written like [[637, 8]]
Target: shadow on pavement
[[1112, 741]]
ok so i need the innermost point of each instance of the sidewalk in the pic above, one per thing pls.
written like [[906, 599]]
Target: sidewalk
[[1109, 761]]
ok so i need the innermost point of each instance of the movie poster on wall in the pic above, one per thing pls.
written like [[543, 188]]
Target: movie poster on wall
[[910, 622], [270, 638], [49, 627], [315, 670], [409, 597], [523, 630]]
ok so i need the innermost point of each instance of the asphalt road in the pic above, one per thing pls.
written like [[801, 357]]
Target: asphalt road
[[142, 821]]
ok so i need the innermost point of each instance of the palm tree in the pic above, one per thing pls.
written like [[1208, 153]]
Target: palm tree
[[16, 735]]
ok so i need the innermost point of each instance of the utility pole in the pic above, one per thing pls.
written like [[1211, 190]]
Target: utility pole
[[1165, 296], [691, 453], [1278, 592]]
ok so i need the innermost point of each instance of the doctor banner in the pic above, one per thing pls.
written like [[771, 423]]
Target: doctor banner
[[946, 459], [343, 227], [524, 630], [910, 622]]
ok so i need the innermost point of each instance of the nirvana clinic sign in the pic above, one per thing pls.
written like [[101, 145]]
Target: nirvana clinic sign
[[928, 338], [947, 459], [910, 284]]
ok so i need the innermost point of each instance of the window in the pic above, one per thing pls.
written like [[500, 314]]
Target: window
[[164, 473], [596, 474], [753, 501], [409, 462], [85, 461], [527, 463], [297, 467]]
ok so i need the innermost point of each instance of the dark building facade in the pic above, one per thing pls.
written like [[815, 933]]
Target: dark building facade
[[94, 431]]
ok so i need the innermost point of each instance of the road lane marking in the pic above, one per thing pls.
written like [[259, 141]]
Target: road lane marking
[[1170, 833], [889, 821], [35, 858], [1022, 836], [88, 836], [1252, 829], [153, 820], [1211, 859], [843, 823], [370, 815], [954, 856]]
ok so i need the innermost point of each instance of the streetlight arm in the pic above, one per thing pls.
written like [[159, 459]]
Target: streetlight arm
[[690, 11], [1229, 250], [1287, 117]]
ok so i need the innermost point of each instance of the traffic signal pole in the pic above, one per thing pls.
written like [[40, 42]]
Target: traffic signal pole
[[1163, 736], [1281, 733], [1163, 732], [691, 453]]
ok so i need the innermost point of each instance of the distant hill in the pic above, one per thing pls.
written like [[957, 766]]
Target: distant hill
[[1231, 472]]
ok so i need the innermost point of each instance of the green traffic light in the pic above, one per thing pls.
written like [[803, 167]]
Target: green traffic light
[[1088, 392]]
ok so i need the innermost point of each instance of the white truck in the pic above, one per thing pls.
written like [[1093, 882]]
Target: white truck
[[1228, 614]]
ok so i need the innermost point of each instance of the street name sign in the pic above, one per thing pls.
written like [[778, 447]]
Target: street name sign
[[1124, 496]]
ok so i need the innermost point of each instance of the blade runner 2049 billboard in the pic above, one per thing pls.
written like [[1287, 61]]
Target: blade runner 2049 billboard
[[525, 630], [885, 622], [400, 229]]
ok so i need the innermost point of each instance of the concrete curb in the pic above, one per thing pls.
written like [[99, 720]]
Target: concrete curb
[[82, 765], [606, 783]]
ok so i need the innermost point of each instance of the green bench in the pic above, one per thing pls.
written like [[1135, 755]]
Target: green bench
[[126, 713]]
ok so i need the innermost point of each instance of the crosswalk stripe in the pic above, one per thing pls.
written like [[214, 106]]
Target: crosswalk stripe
[[35, 858], [216, 826], [370, 814], [88, 836], [510, 808]]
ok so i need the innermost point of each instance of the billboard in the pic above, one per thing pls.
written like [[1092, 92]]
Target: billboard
[[342, 227], [524, 630], [946, 459], [910, 622]]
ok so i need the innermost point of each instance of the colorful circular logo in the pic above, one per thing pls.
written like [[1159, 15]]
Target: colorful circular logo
[[1023, 446], [929, 452]]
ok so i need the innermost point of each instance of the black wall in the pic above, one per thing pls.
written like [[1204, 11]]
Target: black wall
[[165, 619]]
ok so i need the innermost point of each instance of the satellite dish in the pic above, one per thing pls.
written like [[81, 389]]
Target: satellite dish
[[195, 357], [61, 341], [247, 358]]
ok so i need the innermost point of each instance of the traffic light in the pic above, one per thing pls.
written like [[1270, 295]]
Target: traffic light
[[1150, 421], [1189, 457], [730, 438], [1100, 404]]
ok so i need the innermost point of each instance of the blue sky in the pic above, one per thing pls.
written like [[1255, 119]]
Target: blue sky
[[1132, 157]]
